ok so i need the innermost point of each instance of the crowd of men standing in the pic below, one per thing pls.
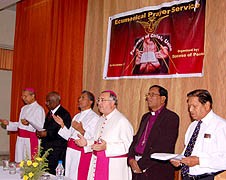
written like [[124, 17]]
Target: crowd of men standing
[[103, 146]]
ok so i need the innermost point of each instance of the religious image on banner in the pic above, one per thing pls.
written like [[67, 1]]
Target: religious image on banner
[[157, 42]]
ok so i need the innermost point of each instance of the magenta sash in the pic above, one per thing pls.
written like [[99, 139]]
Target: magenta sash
[[102, 165], [84, 162], [33, 140]]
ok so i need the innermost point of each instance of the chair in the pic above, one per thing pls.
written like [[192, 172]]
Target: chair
[[221, 176]]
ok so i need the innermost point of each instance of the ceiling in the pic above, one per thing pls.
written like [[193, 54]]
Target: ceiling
[[8, 4]]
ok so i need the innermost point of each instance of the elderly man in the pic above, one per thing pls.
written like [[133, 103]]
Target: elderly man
[[205, 147], [157, 133], [111, 143], [84, 123], [50, 137], [32, 117]]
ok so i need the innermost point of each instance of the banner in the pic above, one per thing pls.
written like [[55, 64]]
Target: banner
[[161, 41]]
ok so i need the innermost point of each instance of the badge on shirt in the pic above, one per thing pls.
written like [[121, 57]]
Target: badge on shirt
[[207, 135]]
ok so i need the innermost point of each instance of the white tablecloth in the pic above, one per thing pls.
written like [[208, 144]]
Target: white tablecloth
[[4, 175]]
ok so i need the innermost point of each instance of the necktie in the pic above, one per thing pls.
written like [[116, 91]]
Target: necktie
[[49, 115], [189, 148]]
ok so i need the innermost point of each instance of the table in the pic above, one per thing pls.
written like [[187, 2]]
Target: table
[[4, 175]]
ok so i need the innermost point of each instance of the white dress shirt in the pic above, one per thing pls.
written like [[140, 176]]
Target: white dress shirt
[[210, 145]]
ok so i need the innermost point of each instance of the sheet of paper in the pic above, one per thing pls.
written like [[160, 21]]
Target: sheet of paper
[[166, 156]]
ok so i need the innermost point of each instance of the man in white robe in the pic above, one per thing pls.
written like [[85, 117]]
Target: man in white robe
[[111, 143], [77, 162], [32, 117]]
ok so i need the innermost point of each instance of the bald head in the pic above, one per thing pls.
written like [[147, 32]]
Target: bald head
[[52, 100]]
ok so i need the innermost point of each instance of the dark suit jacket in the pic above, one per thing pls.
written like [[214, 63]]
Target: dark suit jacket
[[162, 138], [54, 140]]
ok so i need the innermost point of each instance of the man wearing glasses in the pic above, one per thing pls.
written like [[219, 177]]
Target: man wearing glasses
[[111, 142], [205, 147], [157, 133]]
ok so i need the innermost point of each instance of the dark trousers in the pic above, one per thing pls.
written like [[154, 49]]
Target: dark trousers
[[210, 177]]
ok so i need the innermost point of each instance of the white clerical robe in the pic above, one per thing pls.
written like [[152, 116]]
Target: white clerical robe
[[35, 115], [117, 131], [89, 119]]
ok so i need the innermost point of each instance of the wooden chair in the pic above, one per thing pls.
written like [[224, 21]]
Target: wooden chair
[[221, 176], [177, 175]]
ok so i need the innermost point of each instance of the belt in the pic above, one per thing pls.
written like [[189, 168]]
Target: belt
[[138, 154], [197, 177]]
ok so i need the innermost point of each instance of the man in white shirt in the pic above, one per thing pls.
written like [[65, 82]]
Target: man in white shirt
[[111, 142], [84, 123], [32, 117], [208, 156]]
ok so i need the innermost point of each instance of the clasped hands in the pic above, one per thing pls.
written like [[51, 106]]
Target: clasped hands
[[100, 146], [189, 161]]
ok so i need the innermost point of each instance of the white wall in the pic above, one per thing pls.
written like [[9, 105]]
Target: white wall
[[5, 99], [7, 28]]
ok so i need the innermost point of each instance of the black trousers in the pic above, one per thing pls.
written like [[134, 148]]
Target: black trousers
[[209, 177]]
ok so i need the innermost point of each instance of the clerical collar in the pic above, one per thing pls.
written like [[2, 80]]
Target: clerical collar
[[153, 113]]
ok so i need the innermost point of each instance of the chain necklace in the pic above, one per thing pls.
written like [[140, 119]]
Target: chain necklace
[[145, 134]]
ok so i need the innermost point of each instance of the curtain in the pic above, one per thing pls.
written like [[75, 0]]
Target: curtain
[[48, 52]]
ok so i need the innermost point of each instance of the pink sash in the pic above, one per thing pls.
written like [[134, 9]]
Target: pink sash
[[33, 140], [84, 162], [102, 165]]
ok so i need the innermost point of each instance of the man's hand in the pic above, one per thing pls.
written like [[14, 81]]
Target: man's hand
[[175, 162], [4, 122], [190, 161], [100, 146], [41, 134], [78, 126], [58, 120], [24, 122], [81, 142], [134, 166], [138, 56]]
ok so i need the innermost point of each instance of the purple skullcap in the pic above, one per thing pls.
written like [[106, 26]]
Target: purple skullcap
[[111, 92], [30, 89]]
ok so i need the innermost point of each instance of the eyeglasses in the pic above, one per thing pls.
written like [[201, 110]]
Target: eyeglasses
[[100, 100], [151, 95]]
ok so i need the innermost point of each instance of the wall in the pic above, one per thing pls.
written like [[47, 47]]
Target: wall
[[7, 28], [131, 91], [5, 98]]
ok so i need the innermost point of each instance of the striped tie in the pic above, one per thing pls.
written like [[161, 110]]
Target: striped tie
[[189, 148]]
